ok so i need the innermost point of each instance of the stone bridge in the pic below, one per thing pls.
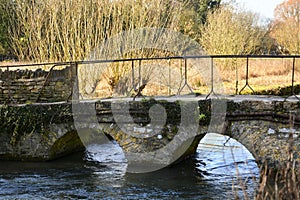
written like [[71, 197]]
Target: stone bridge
[[153, 133]]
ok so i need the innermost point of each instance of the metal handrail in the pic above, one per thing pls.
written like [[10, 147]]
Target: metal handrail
[[185, 58]]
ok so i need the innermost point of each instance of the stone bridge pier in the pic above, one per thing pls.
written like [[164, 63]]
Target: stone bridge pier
[[153, 133]]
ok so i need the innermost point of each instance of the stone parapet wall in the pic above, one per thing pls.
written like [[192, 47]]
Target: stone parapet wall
[[28, 86]]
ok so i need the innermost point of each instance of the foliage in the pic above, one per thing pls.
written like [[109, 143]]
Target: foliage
[[269, 45], [203, 7], [4, 40], [231, 32], [69, 30], [286, 26], [195, 14], [20, 120]]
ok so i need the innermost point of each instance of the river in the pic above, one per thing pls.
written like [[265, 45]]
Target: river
[[217, 171]]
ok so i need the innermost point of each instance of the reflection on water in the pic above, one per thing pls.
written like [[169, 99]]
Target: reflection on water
[[228, 164], [112, 158], [211, 174]]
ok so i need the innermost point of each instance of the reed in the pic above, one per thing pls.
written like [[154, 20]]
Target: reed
[[67, 30], [283, 183], [55, 30]]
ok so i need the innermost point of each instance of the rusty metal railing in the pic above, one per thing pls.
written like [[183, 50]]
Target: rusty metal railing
[[184, 59]]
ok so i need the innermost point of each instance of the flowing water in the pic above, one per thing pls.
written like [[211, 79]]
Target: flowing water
[[218, 171]]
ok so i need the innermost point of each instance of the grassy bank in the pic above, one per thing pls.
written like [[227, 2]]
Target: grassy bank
[[264, 75]]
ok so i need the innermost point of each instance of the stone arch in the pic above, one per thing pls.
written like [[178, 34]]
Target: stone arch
[[71, 141], [67, 144], [267, 141], [151, 146], [225, 151]]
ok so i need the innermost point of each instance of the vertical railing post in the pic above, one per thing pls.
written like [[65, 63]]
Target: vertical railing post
[[132, 74], [211, 78], [185, 78], [140, 73], [169, 62], [293, 79], [236, 77], [74, 82], [247, 71], [247, 78], [212, 74], [293, 76], [185, 71], [133, 88]]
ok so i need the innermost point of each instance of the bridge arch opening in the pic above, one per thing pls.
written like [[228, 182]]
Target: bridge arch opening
[[65, 145], [108, 155], [221, 154], [103, 149]]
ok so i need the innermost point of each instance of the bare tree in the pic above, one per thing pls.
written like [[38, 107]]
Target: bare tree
[[286, 26], [229, 31], [56, 30]]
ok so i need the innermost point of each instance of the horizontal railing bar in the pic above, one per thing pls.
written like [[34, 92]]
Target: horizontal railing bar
[[187, 57], [254, 56], [154, 58]]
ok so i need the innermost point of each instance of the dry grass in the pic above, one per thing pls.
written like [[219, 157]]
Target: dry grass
[[161, 77], [284, 182], [57, 30], [264, 74], [281, 184]]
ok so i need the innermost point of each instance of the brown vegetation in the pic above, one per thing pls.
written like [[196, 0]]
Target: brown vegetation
[[231, 32], [57, 30], [282, 183], [264, 74], [286, 26]]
